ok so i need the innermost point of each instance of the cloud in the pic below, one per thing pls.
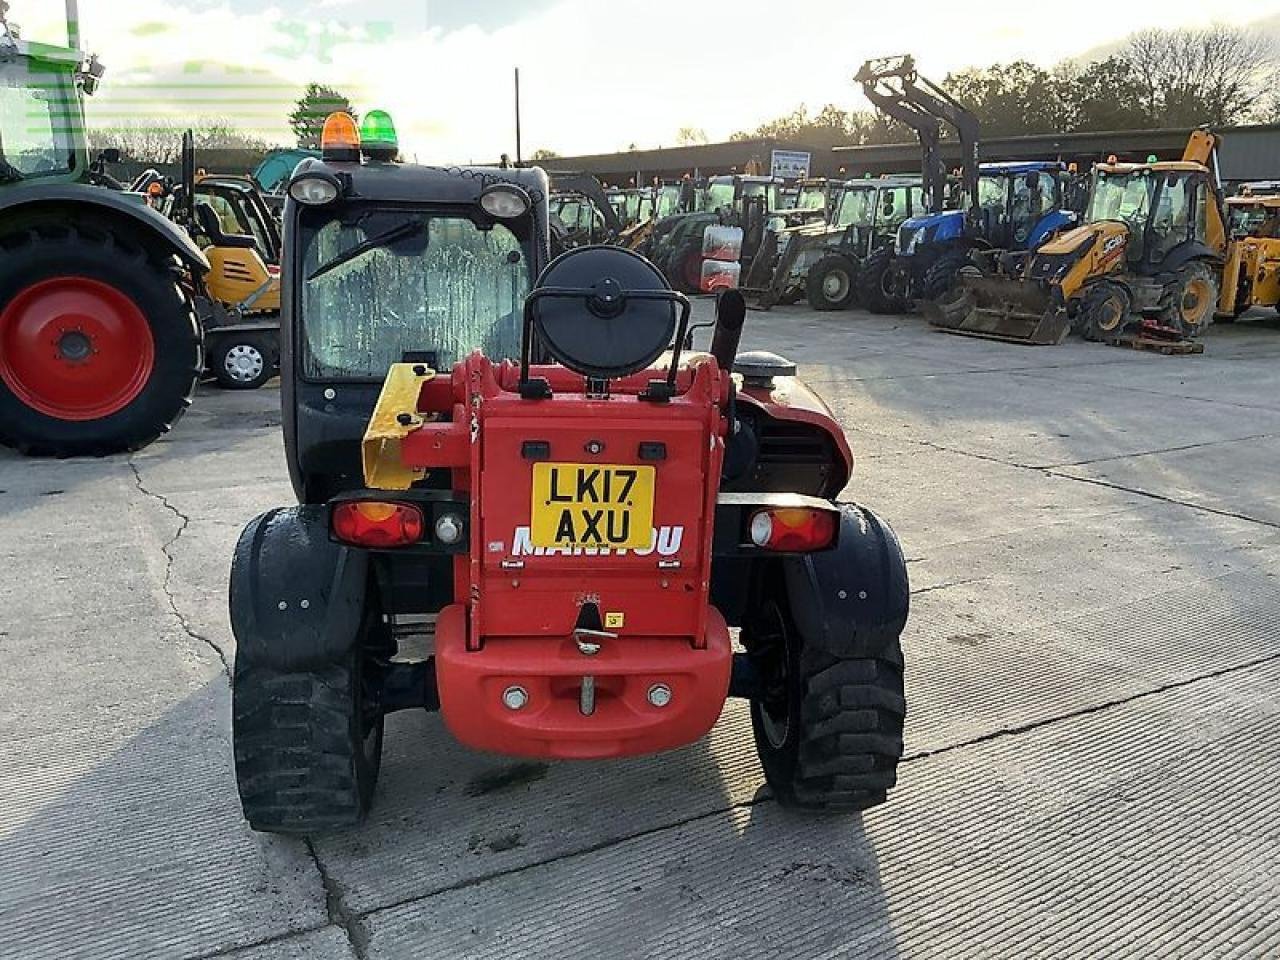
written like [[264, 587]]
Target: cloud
[[596, 76]]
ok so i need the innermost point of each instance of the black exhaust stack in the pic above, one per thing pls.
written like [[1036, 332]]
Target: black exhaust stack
[[731, 315]]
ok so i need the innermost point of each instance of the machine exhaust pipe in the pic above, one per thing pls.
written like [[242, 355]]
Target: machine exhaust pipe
[[73, 24], [731, 316]]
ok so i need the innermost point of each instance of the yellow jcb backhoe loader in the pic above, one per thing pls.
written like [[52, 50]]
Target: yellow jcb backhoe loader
[[1151, 251], [1251, 277]]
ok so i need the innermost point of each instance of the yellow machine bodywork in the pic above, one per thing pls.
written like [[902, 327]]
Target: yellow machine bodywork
[[239, 277], [1251, 277], [1107, 241], [236, 274]]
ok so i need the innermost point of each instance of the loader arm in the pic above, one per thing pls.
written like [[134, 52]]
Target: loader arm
[[893, 85]]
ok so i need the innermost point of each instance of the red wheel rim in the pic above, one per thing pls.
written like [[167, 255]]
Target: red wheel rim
[[693, 270], [75, 349]]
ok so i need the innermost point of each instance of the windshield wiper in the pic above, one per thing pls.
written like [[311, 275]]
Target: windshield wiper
[[409, 228]]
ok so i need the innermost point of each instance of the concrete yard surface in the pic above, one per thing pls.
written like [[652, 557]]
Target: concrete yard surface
[[1093, 680]]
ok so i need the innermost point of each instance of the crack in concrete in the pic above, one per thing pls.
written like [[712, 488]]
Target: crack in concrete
[[1053, 472], [340, 915], [1156, 453], [263, 942], [166, 585], [948, 585], [1163, 499]]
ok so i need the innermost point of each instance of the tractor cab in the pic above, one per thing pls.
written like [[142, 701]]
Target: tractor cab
[[1017, 207], [1166, 209], [393, 263], [814, 200], [41, 114], [733, 195]]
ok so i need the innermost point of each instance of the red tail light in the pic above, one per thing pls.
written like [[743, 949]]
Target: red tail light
[[793, 529], [376, 524]]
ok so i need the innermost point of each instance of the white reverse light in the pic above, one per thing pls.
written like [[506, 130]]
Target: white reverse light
[[449, 529]]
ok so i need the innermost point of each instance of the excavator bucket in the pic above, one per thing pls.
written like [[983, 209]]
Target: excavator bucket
[[1000, 308]]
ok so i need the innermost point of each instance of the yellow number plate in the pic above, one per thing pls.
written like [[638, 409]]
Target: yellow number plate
[[592, 505]]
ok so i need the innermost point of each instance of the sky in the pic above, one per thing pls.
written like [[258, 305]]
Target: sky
[[597, 75]]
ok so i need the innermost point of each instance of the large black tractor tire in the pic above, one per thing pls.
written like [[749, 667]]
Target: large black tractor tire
[[832, 283], [306, 726], [943, 275], [100, 350], [243, 361], [1189, 305], [874, 285], [828, 723], [1105, 312]]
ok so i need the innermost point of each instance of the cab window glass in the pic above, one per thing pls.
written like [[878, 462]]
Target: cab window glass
[[463, 289]]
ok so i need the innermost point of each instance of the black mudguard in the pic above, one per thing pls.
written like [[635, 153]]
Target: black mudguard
[[854, 600], [297, 598], [109, 203], [1184, 253]]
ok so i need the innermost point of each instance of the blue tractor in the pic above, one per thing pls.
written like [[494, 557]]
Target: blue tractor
[[1015, 208]]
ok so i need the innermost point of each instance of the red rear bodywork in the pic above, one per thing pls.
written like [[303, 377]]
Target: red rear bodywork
[[517, 604]]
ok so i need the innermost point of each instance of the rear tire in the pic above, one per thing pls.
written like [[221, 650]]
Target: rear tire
[[1189, 305], [831, 284], [100, 350], [829, 719], [830, 738], [1105, 312], [306, 725]]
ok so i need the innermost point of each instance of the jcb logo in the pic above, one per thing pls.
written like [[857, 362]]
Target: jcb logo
[[664, 541]]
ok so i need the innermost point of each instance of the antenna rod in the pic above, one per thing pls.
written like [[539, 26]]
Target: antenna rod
[[73, 24], [519, 151]]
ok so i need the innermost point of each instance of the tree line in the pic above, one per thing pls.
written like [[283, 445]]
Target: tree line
[[1218, 75]]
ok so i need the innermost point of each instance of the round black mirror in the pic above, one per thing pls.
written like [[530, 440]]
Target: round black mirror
[[604, 312]]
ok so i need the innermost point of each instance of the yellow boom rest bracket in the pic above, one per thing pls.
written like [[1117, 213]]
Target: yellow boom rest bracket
[[394, 418]]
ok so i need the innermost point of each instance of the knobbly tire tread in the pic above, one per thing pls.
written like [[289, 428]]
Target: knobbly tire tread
[[941, 275], [869, 287], [845, 702], [295, 763], [1092, 302], [1170, 312], [813, 284], [111, 251], [307, 747]]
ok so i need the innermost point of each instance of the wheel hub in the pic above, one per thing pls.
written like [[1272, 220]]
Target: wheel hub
[[75, 349], [244, 363], [835, 284]]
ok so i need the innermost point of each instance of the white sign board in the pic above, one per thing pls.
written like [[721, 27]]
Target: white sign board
[[791, 164]]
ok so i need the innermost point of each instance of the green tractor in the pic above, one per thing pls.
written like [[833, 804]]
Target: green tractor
[[100, 348]]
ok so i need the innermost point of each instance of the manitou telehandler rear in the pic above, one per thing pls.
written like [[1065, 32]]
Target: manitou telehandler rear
[[570, 534], [100, 350], [1150, 252]]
